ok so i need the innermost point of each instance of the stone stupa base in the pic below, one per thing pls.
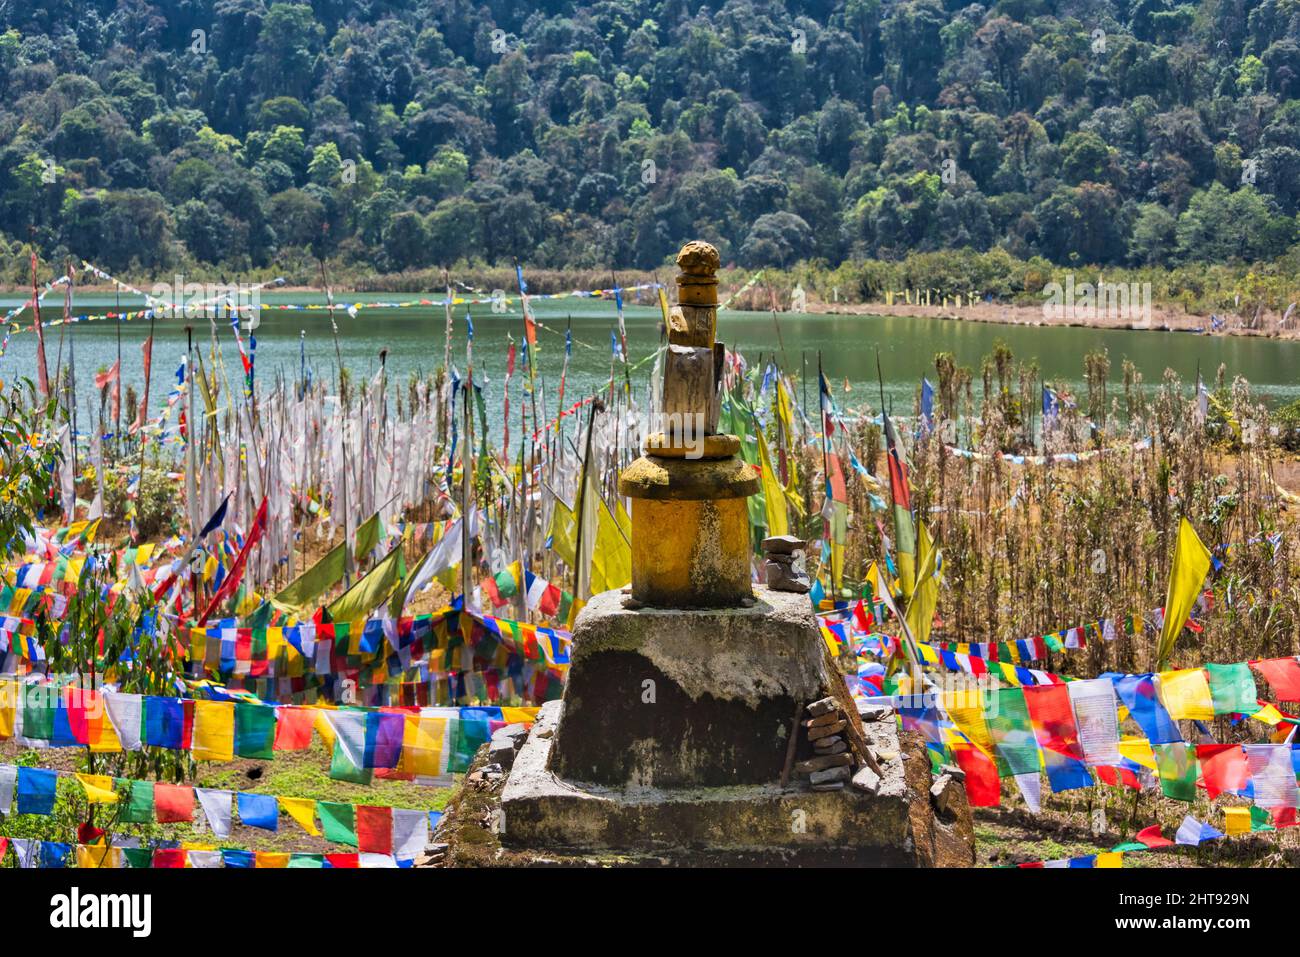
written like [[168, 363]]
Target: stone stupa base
[[672, 738]]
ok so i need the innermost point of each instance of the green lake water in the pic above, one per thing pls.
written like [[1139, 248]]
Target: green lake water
[[847, 344]]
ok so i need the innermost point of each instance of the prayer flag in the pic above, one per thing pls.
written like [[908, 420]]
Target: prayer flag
[[1152, 837], [216, 808], [259, 810], [338, 821], [1191, 563], [1193, 832], [1232, 688], [302, 810], [214, 731], [36, 788], [374, 829], [173, 803]]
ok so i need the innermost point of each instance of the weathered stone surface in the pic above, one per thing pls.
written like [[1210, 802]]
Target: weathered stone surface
[[938, 843], [517, 733], [943, 794], [866, 780], [822, 762], [822, 720], [550, 821], [783, 545], [832, 745], [501, 751], [822, 706], [875, 714], [675, 698], [782, 577], [841, 773], [826, 730], [544, 813]]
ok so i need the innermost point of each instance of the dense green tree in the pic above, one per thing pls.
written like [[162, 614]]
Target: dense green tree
[[605, 132]]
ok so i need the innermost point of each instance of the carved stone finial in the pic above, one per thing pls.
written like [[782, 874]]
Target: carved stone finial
[[697, 283], [698, 258]]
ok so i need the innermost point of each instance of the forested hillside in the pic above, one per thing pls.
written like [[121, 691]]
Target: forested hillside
[[242, 134]]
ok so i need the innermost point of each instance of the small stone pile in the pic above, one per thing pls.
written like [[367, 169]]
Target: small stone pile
[[783, 566], [832, 765]]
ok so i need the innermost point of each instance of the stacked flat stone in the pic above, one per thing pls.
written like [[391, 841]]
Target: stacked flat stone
[[831, 765], [780, 554]]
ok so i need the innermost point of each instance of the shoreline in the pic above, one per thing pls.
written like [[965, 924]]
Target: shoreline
[[1163, 318]]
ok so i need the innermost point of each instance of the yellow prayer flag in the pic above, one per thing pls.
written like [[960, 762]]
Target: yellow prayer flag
[[1138, 750], [302, 810], [924, 600], [1268, 714], [1186, 694], [99, 788], [214, 731], [1110, 859], [1186, 576], [9, 691], [1236, 820], [422, 745], [271, 859], [773, 494], [98, 855], [611, 561], [966, 708], [563, 532]]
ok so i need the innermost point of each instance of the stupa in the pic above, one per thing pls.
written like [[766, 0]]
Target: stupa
[[696, 700]]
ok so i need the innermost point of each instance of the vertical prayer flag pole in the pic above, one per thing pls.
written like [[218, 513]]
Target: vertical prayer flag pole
[[72, 376], [338, 355], [827, 506], [191, 478], [42, 370]]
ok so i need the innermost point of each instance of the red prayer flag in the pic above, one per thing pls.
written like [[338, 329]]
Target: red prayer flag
[[1223, 768], [343, 860], [1053, 719], [237, 569], [374, 829], [1284, 817], [172, 803], [293, 729], [1116, 777], [87, 833], [1151, 837], [1283, 676], [982, 786], [169, 857]]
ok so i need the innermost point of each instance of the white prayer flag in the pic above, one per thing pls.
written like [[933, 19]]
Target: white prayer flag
[[216, 808]]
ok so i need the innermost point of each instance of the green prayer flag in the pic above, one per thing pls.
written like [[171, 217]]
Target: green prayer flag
[[1232, 689], [1176, 766], [370, 591], [1012, 734], [306, 860], [38, 717], [329, 571], [138, 856], [1260, 820], [342, 768], [254, 730], [338, 822], [138, 807]]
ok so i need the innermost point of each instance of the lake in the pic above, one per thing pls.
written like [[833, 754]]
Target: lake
[[414, 339]]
